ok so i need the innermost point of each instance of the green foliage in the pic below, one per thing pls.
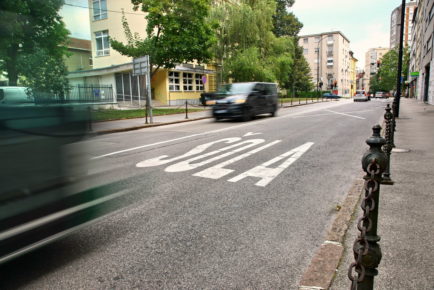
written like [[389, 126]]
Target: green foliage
[[177, 32], [285, 23], [32, 42], [300, 77], [47, 74], [246, 47], [387, 73]]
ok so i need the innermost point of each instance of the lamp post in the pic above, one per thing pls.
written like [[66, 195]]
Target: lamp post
[[317, 64], [397, 98]]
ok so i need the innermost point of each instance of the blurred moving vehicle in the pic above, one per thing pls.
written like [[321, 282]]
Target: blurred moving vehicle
[[246, 100], [13, 96], [331, 96], [361, 98], [381, 95], [41, 198], [208, 99]]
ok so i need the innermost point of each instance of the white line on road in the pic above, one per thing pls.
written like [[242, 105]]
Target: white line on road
[[348, 115], [218, 171], [266, 173]]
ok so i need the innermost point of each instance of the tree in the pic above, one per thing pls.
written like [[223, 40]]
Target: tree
[[388, 70], [285, 23], [30, 29], [177, 32], [300, 78], [246, 47]]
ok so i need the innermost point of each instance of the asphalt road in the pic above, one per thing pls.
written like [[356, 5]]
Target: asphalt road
[[214, 205]]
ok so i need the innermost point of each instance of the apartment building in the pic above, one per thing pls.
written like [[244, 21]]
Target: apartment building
[[372, 61], [80, 55], [353, 74], [421, 79], [395, 24], [169, 86], [328, 55]]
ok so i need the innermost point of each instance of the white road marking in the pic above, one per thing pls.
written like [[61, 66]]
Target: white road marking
[[198, 149], [251, 134], [218, 171], [266, 173], [348, 115], [188, 165], [173, 140]]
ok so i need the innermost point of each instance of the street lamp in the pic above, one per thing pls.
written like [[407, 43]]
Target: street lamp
[[317, 63]]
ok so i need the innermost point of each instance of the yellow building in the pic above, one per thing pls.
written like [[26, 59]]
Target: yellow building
[[80, 57], [353, 74], [169, 86]]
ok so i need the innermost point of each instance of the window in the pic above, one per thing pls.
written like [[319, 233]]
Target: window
[[198, 82], [330, 61], [99, 9], [305, 51], [102, 43], [187, 79], [330, 38], [174, 81], [305, 40]]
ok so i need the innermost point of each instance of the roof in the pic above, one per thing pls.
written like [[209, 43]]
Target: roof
[[80, 44], [325, 33]]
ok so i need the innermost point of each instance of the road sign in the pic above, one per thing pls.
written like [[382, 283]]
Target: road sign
[[414, 74], [141, 65]]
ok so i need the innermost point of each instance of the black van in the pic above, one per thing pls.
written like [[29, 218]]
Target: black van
[[246, 100]]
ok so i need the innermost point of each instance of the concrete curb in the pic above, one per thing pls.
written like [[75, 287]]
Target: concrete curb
[[322, 269]]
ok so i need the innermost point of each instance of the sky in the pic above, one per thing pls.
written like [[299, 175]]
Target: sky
[[366, 23]]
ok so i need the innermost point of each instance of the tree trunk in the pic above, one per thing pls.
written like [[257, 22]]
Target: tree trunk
[[11, 65]]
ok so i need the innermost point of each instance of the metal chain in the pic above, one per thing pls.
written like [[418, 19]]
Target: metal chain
[[364, 224]]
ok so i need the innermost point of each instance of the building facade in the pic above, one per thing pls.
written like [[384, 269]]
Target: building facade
[[328, 55], [110, 68], [353, 74], [372, 61], [421, 79], [80, 57], [395, 24]]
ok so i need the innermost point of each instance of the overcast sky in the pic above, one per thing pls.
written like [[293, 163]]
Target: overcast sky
[[365, 23]]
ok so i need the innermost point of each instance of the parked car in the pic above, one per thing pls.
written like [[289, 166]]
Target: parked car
[[361, 98], [331, 96], [15, 96], [246, 100], [381, 95]]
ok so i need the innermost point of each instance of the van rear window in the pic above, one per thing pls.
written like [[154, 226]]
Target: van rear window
[[2, 94]]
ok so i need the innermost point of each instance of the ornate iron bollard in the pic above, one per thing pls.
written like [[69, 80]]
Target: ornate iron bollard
[[367, 252], [387, 148]]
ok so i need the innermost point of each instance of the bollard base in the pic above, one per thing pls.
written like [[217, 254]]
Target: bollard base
[[387, 181]]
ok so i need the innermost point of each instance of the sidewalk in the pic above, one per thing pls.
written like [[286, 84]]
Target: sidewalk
[[406, 209], [139, 123]]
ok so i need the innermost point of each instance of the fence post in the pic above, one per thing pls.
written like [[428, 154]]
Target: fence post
[[186, 109], [388, 146], [367, 252]]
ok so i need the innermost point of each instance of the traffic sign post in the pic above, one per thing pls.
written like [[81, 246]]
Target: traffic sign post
[[141, 67]]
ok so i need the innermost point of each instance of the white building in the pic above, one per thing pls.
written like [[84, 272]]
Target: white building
[[328, 55]]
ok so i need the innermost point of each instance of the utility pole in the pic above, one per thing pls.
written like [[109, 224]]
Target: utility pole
[[397, 98]]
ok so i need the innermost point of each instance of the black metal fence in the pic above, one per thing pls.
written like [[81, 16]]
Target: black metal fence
[[81, 94]]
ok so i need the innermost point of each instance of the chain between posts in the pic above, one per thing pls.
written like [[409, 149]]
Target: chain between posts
[[367, 252], [387, 148]]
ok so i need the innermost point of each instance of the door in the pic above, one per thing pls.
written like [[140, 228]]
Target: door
[[426, 84]]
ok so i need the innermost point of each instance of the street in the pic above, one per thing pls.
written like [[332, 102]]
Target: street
[[215, 205]]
